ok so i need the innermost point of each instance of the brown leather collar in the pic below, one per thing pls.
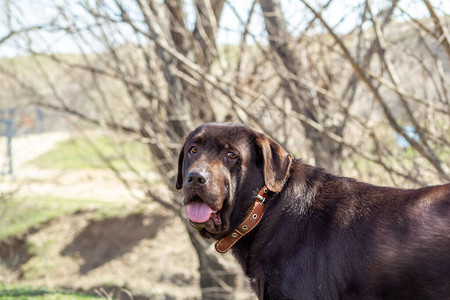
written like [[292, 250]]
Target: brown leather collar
[[249, 223]]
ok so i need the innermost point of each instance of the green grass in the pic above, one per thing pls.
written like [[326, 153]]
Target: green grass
[[17, 293], [18, 215], [77, 153], [22, 213]]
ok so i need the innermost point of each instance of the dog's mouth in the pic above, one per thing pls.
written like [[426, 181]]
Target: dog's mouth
[[201, 215]]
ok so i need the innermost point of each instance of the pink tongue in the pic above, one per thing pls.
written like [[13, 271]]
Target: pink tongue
[[199, 212]]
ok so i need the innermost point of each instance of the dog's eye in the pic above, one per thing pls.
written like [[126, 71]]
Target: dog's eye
[[193, 149], [231, 155]]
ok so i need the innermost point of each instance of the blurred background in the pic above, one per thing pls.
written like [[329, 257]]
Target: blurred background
[[96, 97]]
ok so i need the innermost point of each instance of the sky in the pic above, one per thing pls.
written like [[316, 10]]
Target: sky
[[231, 33], [37, 12]]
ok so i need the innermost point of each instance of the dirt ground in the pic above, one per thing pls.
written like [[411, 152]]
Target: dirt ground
[[142, 253]]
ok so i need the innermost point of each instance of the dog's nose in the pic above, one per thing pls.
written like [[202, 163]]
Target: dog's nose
[[196, 179]]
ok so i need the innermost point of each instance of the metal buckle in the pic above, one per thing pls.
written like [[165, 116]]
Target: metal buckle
[[261, 199]]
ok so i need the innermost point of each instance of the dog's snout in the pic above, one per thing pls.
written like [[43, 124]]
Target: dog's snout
[[196, 179]]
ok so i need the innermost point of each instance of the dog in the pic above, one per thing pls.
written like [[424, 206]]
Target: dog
[[302, 233]]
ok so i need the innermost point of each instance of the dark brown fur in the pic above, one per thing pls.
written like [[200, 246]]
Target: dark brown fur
[[322, 236]]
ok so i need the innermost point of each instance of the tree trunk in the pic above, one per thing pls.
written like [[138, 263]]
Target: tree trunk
[[216, 282], [327, 152]]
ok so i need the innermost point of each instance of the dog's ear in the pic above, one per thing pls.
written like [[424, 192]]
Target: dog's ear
[[276, 162], [179, 183]]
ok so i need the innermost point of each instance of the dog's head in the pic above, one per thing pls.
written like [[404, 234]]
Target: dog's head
[[221, 167]]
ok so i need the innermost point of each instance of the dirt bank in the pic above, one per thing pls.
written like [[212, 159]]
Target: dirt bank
[[130, 253]]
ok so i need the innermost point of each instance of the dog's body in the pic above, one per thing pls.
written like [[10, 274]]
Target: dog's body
[[322, 236]]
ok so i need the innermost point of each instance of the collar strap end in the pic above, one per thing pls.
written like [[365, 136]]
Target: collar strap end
[[253, 218]]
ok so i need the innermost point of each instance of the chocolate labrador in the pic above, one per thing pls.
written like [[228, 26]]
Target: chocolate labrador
[[302, 233]]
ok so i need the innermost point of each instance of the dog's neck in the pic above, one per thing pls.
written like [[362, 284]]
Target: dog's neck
[[278, 209]]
